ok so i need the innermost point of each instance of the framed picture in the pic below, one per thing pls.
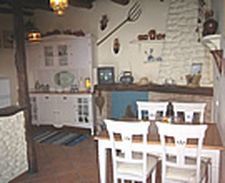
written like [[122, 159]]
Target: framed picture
[[196, 68], [105, 75], [7, 39]]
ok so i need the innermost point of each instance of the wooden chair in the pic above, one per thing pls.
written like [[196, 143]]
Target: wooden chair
[[129, 164], [148, 110], [189, 110], [177, 164]]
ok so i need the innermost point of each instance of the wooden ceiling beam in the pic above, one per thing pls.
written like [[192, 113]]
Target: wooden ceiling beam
[[10, 11], [121, 2]]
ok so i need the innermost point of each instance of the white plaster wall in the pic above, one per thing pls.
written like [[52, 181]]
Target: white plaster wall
[[219, 81], [7, 66], [131, 56], [13, 148], [182, 48]]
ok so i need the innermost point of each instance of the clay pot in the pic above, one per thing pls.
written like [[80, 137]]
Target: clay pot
[[100, 101], [152, 34]]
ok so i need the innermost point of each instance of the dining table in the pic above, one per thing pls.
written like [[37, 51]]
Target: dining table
[[212, 148]]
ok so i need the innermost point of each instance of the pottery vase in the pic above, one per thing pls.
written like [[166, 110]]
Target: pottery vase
[[100, 101]]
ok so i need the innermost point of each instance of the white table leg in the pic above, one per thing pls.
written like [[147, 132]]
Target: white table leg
[[215, 167], [214, 155], [102, 161]]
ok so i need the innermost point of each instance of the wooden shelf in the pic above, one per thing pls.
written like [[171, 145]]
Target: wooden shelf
[[147, 41], [206, 91]]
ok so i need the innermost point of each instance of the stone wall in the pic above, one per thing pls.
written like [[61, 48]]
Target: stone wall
[[182, 48], [13, 148]]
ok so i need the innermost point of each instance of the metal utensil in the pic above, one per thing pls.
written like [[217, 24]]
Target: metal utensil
[[132, 16]]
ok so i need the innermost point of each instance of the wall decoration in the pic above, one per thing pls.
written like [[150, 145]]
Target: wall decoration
[[104, 22], [151, 55], [116, 46], [7, 39], [105, 75], [196, 68], [64, 78], [133, 15]]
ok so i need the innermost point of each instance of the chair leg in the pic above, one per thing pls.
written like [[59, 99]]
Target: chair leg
[[153, 176], [209, 180]]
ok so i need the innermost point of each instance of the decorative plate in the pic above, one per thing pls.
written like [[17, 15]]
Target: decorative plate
[[64, 78]]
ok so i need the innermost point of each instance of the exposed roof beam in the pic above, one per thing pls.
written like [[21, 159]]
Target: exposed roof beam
[[10, 11]]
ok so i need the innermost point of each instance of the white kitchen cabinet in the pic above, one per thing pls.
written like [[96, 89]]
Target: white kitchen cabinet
[[60, 54], [61, 62], [74, 110]]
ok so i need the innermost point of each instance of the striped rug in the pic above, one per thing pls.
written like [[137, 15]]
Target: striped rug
[[58, 137]]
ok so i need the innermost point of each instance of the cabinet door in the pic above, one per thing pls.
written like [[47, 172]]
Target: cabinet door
[[48, 55], [47, 109], [66, 104], [83, 111], [62, 57]]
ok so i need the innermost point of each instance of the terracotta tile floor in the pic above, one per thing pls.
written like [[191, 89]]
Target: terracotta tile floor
[[62, 164]]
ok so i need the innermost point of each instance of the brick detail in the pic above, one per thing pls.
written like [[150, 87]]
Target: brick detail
[[181, 48]]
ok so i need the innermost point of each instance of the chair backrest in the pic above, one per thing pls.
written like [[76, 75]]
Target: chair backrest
[[121, 137], [178, 156], [189, 110], [148, 110]]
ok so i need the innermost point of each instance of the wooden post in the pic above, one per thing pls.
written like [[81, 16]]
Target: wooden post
[[23, 94]]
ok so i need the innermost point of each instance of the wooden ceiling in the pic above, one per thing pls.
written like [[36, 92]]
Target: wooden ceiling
[[30, 5]]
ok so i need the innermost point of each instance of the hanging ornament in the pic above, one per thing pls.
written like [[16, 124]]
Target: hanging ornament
[[116, 46], [100, 101], [104, 22]]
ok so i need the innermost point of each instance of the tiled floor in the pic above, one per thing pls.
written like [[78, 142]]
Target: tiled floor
[[62, 164]]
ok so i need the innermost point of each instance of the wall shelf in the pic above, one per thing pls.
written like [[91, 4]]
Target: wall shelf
[[213, 43], [205, 91], [147, 41]]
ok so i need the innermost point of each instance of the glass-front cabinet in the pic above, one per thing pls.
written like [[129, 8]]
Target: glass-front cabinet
[[56, 55], [74, 110]]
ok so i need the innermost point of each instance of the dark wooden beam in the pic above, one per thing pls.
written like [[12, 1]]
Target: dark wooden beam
[[82, 3], [20, 62], [121, 2], [10, 11]]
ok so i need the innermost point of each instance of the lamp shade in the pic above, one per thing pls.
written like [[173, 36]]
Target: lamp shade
[[32, 33], [59, 6], [34, 36]]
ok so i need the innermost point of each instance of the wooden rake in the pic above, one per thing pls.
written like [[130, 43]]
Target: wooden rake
[[133, 14]]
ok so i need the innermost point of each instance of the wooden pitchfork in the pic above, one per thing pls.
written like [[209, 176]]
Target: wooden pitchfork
[[133, 14]]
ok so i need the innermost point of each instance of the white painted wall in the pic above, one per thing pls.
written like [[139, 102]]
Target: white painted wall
[[153, 16], [219, 80], [131, 56], [7, 67]]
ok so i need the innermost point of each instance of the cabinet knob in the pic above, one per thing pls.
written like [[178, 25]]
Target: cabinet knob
[[64, 98]]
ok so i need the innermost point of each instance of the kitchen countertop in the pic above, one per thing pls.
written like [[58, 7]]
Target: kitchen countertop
[[179, 89]]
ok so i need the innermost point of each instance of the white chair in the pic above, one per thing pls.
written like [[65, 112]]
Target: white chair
[[130, 164], [177, 163], [148, 110], [189, 110]]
